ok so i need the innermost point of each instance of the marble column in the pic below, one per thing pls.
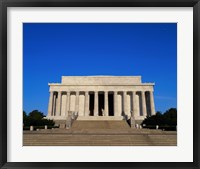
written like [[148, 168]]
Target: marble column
[[67, 107], [77, 102], [106, 103], [152, 105], [125, 103], [54, 104], [115, 104], [134, 104], [144, 108], [58, 105], [87, 102], [96, 107], [50, 107]]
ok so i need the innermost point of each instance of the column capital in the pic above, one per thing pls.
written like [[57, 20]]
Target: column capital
[[86, 92], [51, 93], [77, 92], [68, 93]]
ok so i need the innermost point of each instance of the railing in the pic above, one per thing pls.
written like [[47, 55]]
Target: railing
[[72, 116]]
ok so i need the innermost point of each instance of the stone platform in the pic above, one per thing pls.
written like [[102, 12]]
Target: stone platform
[[100, 133]]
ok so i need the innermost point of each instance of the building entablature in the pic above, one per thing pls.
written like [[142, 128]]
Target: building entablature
[[101, 88], [142, 84]]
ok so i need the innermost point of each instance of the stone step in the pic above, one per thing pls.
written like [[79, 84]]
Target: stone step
[[100, 133], [57, 132], [121, 124], [70, 140]]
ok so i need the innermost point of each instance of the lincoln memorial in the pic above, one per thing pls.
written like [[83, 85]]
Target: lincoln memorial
[[101, 98]]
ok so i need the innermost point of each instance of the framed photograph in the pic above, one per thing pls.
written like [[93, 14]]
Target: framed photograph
[[99, 84]]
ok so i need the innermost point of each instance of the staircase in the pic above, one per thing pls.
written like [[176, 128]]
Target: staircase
[[96, 125], [100, 133]]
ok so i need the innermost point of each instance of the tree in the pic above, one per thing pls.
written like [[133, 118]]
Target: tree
[[154, 120], [24, 115], [169, 118], [36, 118], [36, 115], [24, 118]]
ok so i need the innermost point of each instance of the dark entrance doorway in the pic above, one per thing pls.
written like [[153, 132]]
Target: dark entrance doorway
[[110, 105], [101, 104], [91, 105]]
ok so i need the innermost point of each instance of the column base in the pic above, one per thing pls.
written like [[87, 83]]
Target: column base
[[87, 114], [105, 114], [96, 114]]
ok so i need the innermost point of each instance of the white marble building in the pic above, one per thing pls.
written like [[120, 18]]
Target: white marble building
[[101, 98]]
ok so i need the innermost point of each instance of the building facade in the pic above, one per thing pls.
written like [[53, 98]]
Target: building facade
[[101, 98]]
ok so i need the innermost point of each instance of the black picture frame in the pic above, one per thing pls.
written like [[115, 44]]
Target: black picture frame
[[4, 4]]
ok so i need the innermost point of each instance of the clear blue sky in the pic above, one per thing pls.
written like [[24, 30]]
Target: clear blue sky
[[78, 49]]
